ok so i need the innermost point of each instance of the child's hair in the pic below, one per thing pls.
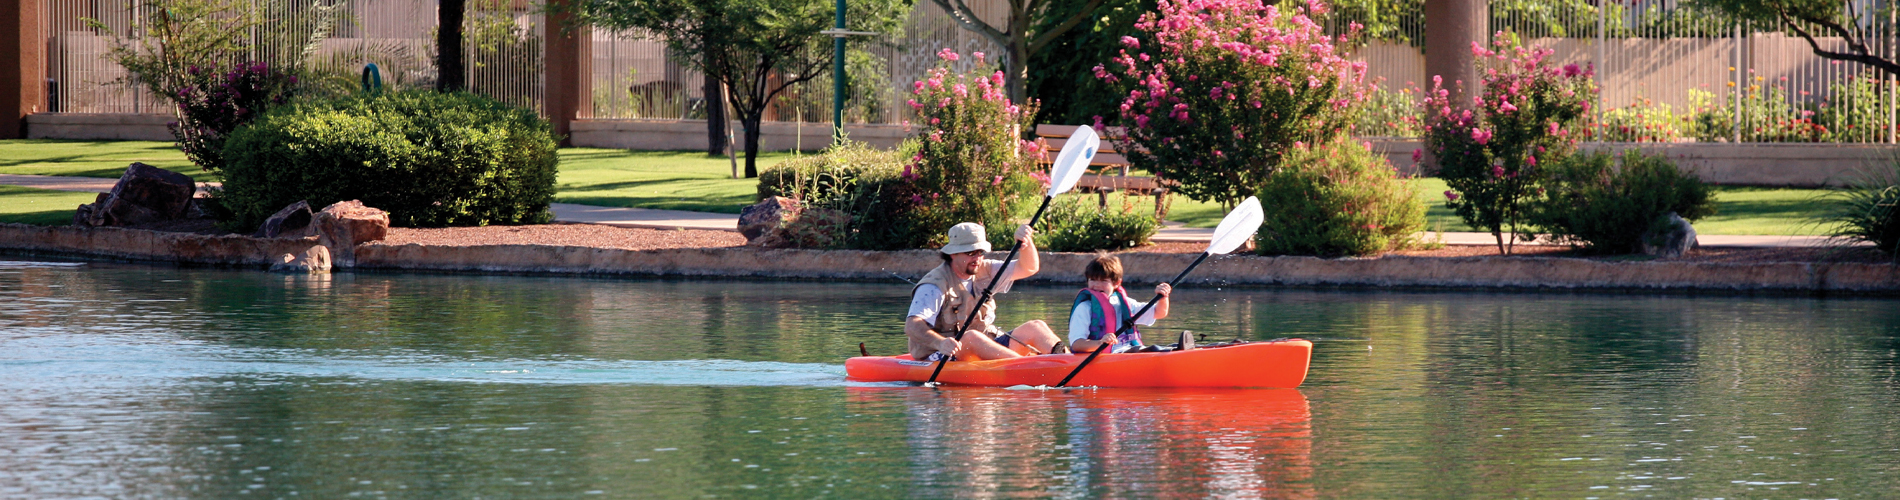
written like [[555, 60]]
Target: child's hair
[[1105, 267]]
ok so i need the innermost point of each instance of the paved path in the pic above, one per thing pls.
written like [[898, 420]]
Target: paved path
[[678, 219]]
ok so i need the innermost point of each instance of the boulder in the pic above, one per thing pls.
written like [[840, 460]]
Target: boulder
[[345, 224], [291, 222], [1669, 237], [762, 218], [315, 259], [812, 228], [143, 194]]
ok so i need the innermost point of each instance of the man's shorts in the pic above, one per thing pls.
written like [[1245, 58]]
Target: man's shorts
[[1002, 339]]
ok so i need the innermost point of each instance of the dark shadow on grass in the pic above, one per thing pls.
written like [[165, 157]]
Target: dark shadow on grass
[[724, 205], [45, 218]]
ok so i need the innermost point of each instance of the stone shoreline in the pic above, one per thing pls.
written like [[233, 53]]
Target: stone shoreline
[[1510, 273]]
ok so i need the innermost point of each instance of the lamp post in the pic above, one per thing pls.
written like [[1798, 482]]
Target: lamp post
[[837, 72]]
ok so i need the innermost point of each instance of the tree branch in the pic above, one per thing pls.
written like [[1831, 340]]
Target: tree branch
[[1859, 55], [967, 19], [1044, 38]]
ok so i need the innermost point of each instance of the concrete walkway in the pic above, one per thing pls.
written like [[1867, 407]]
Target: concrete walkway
[[678, 219]]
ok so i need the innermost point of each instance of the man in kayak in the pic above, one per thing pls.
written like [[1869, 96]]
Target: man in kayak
[[945, 297], [1101, 309]]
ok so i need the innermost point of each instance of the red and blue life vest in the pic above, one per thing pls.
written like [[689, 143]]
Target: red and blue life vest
[[1103, 321]]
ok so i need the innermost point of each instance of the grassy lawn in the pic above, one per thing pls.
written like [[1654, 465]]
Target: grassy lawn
[[690, 180], [673, 180], [39, 206], [103, 159], [1739, 210]]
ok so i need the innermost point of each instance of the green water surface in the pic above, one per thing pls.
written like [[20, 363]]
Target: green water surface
[[123, 381]]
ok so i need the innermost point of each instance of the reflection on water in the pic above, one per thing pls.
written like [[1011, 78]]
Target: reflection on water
[[1106, 443], [148, 382]]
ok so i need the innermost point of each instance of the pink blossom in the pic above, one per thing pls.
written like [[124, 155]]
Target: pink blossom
[[1553, 131], [1131, 42], [1481, 135], [947, 54], [1450, 195], [1530, 160], [1506, 107], [978, 55], [997, 182], [1418, 155], [1497, 171]]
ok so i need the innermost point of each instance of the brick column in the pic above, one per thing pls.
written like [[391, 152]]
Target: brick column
[[22, 66], [569, 91], [1450, 28]]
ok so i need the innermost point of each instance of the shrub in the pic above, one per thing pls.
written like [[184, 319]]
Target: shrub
[[828, 177], [1868, 210], [1525, 114], [1335, 199], [1605, 204], [1073, 224], [968, 162], [1387, 113], [1641, 121], [213, 105], [431, 159], [1226, 87]]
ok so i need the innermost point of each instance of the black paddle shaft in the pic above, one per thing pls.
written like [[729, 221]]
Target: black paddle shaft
[[987, 291], [1130, 324]]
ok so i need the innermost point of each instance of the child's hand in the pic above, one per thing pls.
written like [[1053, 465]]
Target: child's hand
[[1023, 232], [1163, 290]]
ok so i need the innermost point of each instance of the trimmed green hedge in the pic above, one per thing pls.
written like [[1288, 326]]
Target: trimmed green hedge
[[1337, 199], [1604, 203], [431, 159]]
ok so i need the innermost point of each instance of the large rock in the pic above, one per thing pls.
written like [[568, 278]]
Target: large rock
[[1669, 237], [291, 222], [315, 259], [761, 219], [345, 224], [144, 194]]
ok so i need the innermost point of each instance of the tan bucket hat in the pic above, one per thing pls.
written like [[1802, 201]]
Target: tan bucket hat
[[966, 237]]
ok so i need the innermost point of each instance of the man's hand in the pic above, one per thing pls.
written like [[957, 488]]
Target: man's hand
[[1024, 232], [1163, 290], [948, 346]]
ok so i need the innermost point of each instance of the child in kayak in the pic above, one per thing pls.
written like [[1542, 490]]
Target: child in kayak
[[1104, 306]]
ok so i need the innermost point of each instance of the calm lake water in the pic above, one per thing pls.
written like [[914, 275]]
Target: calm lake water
[[123, 381]]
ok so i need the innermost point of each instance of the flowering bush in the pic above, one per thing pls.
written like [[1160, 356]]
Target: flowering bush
[[1525, 112], [213, 104], [969, 163], [1226, 88], [1641, 121], [1337, 198]]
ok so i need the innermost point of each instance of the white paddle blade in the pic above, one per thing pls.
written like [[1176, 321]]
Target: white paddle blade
[[1074, 159], [1237, 227]]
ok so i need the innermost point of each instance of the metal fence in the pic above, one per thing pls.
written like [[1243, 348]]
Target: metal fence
[[1667, 73], [502, 47]]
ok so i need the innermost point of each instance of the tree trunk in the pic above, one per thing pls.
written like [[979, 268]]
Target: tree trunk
[[448, 46], [752, 142], [715, 117]]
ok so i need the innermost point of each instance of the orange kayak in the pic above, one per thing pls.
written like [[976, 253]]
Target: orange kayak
[[1278, 364]]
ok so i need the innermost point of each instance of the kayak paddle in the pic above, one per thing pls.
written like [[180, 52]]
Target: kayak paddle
[[1233, 230], [1070, 164]]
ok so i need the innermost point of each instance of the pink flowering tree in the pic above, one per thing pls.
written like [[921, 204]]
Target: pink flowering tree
[[1226, 88], [1527, 114], [970, 163]]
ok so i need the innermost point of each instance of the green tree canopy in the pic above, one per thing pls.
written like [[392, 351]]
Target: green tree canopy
[[757, 48]]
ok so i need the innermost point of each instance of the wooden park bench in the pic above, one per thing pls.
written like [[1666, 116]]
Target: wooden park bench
[[1111, 166]]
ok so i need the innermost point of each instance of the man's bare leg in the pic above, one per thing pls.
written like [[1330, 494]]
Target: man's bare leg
[[984, 347], [1036, 334]]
